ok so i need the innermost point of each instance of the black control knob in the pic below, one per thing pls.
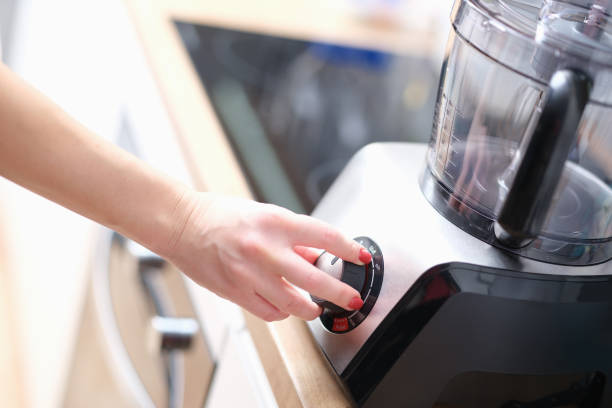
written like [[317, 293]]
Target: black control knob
[[365, 279], [333, 266], [347, 272]]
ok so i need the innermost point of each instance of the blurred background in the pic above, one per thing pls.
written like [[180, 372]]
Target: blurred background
[[295, 110]]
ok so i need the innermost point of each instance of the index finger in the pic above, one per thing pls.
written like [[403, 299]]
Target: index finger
[[309, 231], [318, 283]]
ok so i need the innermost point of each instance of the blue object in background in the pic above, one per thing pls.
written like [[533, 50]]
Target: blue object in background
[[342, 55]]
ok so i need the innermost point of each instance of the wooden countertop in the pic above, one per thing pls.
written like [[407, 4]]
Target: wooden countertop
[[298, 372]]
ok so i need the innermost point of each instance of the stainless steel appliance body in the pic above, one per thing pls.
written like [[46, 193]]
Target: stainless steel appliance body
[[382, 182]]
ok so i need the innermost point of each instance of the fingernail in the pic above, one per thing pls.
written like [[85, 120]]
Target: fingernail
[[356, 303], [365, 256]]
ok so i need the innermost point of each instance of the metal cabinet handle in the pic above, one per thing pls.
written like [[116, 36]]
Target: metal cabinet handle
[[168, 334]]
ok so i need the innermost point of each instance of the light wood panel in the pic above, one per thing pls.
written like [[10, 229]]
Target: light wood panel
[[207, 151], [316, 20], [313, 377], [296, 369]]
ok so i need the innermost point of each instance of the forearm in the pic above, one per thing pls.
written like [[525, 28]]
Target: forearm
[[247, 252], [45, 151]]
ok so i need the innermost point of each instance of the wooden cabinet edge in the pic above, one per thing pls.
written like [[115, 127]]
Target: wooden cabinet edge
[[210, 159], [299, 373], [273, 362]]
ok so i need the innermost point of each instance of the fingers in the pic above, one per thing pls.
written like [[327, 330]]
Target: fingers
[[316, 282], [286, 298], [309, 254], [308, 231], [261, 308]]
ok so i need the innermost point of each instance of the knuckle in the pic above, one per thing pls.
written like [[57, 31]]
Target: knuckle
[[273, 217], [293, 303], [282, 316], [268, 316], [330, 236], [273, 315], [302, 219], [236, 275], [312, 280], [313, 314], [232, 269], [251, 246]]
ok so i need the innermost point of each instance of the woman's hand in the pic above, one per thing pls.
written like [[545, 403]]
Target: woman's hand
[[247, 252], [253, 254]]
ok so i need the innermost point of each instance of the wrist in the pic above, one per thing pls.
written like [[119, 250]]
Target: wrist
[[180, 223], [172, 221]]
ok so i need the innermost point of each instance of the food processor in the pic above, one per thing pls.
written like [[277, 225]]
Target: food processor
[[491, 280]]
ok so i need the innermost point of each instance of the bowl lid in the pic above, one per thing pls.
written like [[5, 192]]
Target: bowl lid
[[539, 37]]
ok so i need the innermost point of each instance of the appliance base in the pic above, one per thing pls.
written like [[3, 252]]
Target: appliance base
[[458, 321]]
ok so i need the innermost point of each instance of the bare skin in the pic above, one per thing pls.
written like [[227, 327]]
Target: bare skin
[[250, 253]]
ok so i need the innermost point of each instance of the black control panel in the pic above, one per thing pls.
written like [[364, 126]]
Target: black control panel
[[468, 335], [366, 279]]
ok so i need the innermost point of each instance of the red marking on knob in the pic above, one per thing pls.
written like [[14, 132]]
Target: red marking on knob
[[340, 324]]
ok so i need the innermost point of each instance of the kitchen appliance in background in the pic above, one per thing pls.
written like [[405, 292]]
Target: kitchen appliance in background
[[491, 280], [296, 111], [140, 343]]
